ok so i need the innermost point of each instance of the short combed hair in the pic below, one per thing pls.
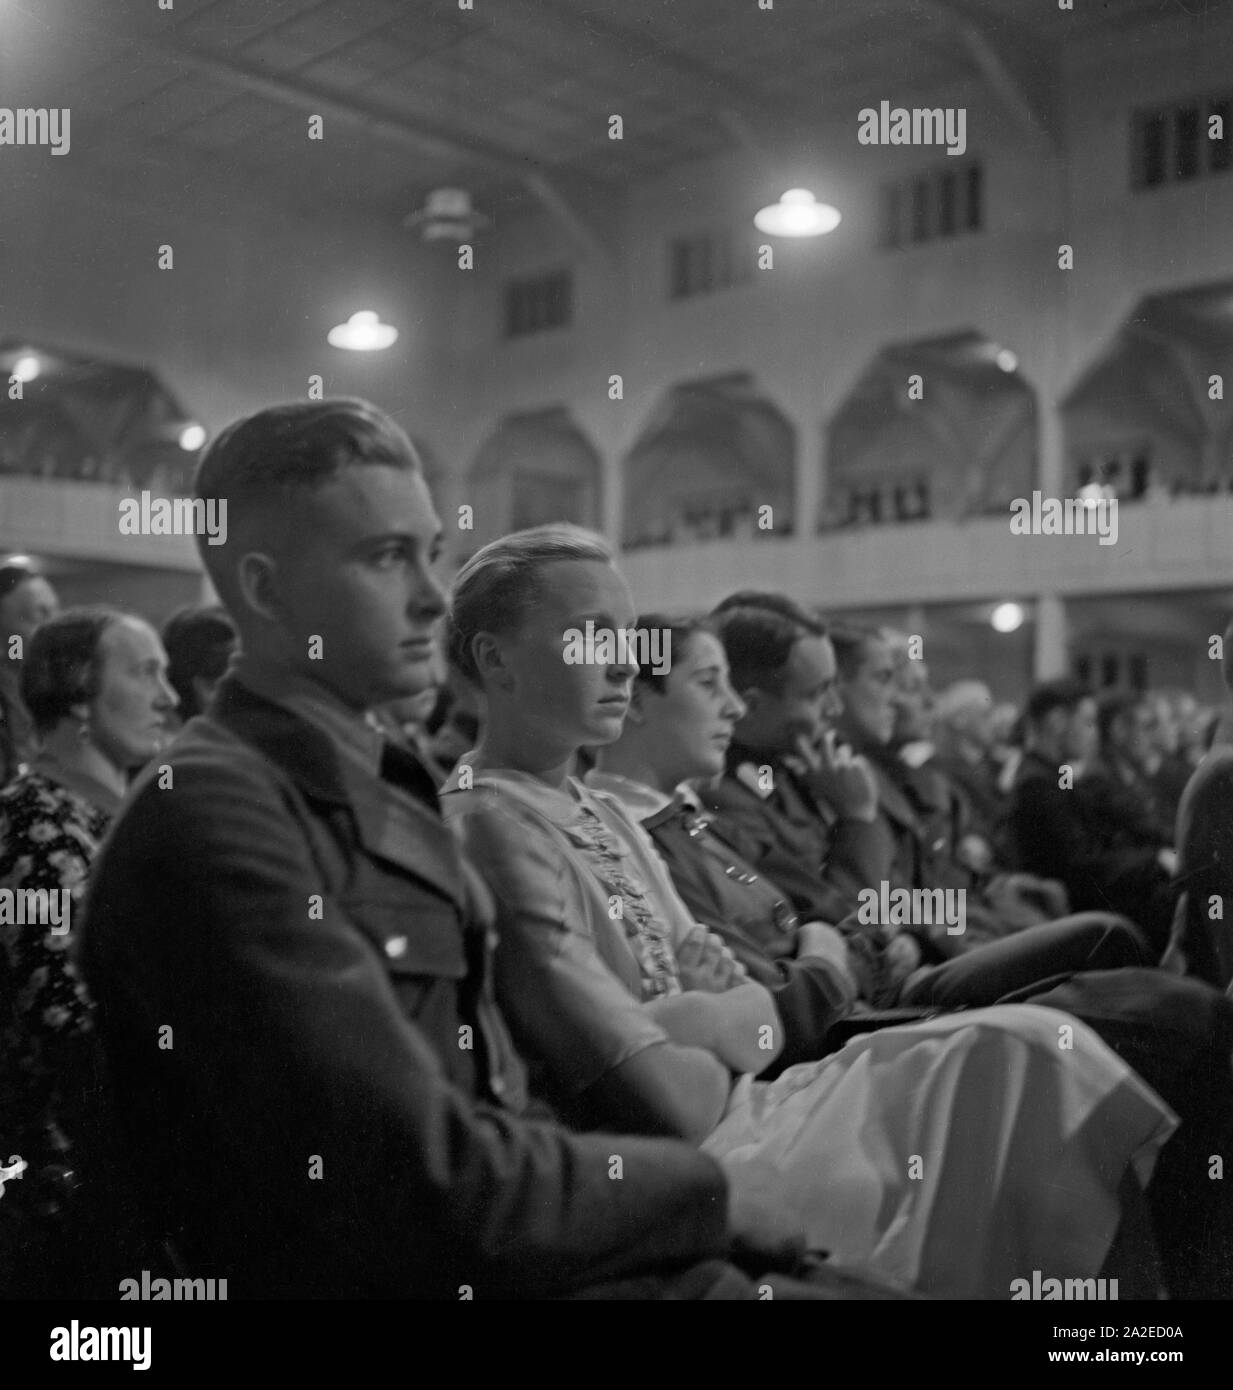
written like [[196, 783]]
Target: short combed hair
[[852, 641], [261, 463], [63, 666], [496, 587], [199, 642], [1063, 693], [758, 637], [681, 630]]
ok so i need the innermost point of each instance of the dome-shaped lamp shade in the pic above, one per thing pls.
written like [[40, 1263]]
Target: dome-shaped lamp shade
[[363, 332], [797, 213]]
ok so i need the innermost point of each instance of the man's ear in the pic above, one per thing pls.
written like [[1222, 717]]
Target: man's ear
[[257, 577], [490, 662]]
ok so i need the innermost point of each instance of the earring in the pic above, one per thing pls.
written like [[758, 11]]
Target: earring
[[83, 732]]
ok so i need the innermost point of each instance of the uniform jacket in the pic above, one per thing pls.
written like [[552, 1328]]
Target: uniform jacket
[[796, 839], [318, 1094]]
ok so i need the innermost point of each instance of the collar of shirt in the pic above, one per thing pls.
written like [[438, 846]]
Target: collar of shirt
[[356, 734], [639, 798]]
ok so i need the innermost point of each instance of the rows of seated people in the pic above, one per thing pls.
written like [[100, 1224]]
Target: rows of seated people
[[351, 982]]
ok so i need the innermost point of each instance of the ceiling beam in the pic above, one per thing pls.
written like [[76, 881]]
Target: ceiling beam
[[740, 109], [1016, 83], [417, 137]]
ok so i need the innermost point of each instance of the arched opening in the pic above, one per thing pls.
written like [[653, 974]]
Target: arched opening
[[713, 453], [1146, 419], [531, 470], [943, 428]]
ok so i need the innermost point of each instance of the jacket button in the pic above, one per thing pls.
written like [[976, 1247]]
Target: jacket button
[[396, 946]]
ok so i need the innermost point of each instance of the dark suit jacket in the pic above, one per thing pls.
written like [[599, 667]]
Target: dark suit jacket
[[318, 1094], [1062, 834]]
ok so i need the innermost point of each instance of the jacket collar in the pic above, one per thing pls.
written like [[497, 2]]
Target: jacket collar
[[396, 814]]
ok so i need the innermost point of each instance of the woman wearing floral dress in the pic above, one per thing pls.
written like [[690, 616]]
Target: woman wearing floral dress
[[94, 681]]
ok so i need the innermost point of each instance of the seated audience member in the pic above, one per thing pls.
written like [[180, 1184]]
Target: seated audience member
[[453, 726], [94, 681], [1169, 769], [1054, 828], [625, 1029], [26, 600], [338, 1111], [1115, 781], [924, 810], [801, 809], [678, 728], [964, 736], [1007, 749], [1204, 924], [199, 643], [782, 836]]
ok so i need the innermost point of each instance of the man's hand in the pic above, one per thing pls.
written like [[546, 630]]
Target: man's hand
[[840, 777], [707, 964]]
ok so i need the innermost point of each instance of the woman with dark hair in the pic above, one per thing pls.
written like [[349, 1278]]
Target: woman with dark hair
[[199, 643], [94, 681], [945, 1157]]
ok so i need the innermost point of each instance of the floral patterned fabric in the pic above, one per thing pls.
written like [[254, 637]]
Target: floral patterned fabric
[[48, 837]]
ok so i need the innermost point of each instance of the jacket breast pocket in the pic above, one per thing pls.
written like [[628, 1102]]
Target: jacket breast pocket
[[418, 936]]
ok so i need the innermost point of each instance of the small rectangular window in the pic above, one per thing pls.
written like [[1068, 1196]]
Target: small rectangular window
[[539, 304], [892, 216], [975, 201], [1186, 142], [947, 203], [921, 229]]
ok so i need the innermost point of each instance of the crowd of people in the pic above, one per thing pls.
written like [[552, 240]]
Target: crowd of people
[[553, 979]]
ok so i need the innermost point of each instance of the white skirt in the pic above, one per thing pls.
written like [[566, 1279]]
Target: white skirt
[[954, 1156]]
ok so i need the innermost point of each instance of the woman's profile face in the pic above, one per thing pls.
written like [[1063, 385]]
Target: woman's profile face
[[574, 702], [692, 719], [128, 716]]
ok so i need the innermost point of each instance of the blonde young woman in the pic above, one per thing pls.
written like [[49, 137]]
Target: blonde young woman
[[950, 1157]]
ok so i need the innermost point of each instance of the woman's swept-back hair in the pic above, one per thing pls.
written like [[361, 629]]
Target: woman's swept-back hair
[[682, 629], [62, 666], [498, 584]]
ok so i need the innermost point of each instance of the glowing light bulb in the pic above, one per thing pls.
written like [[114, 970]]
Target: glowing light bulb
[[363, 332], [797, 213], [1007, 617]]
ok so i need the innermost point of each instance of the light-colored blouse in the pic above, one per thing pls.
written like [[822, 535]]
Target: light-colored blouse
[[588, 919]]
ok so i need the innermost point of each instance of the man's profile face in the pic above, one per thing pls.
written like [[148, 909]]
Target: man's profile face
[[1081, 734], [804, 704], [364, 583]]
